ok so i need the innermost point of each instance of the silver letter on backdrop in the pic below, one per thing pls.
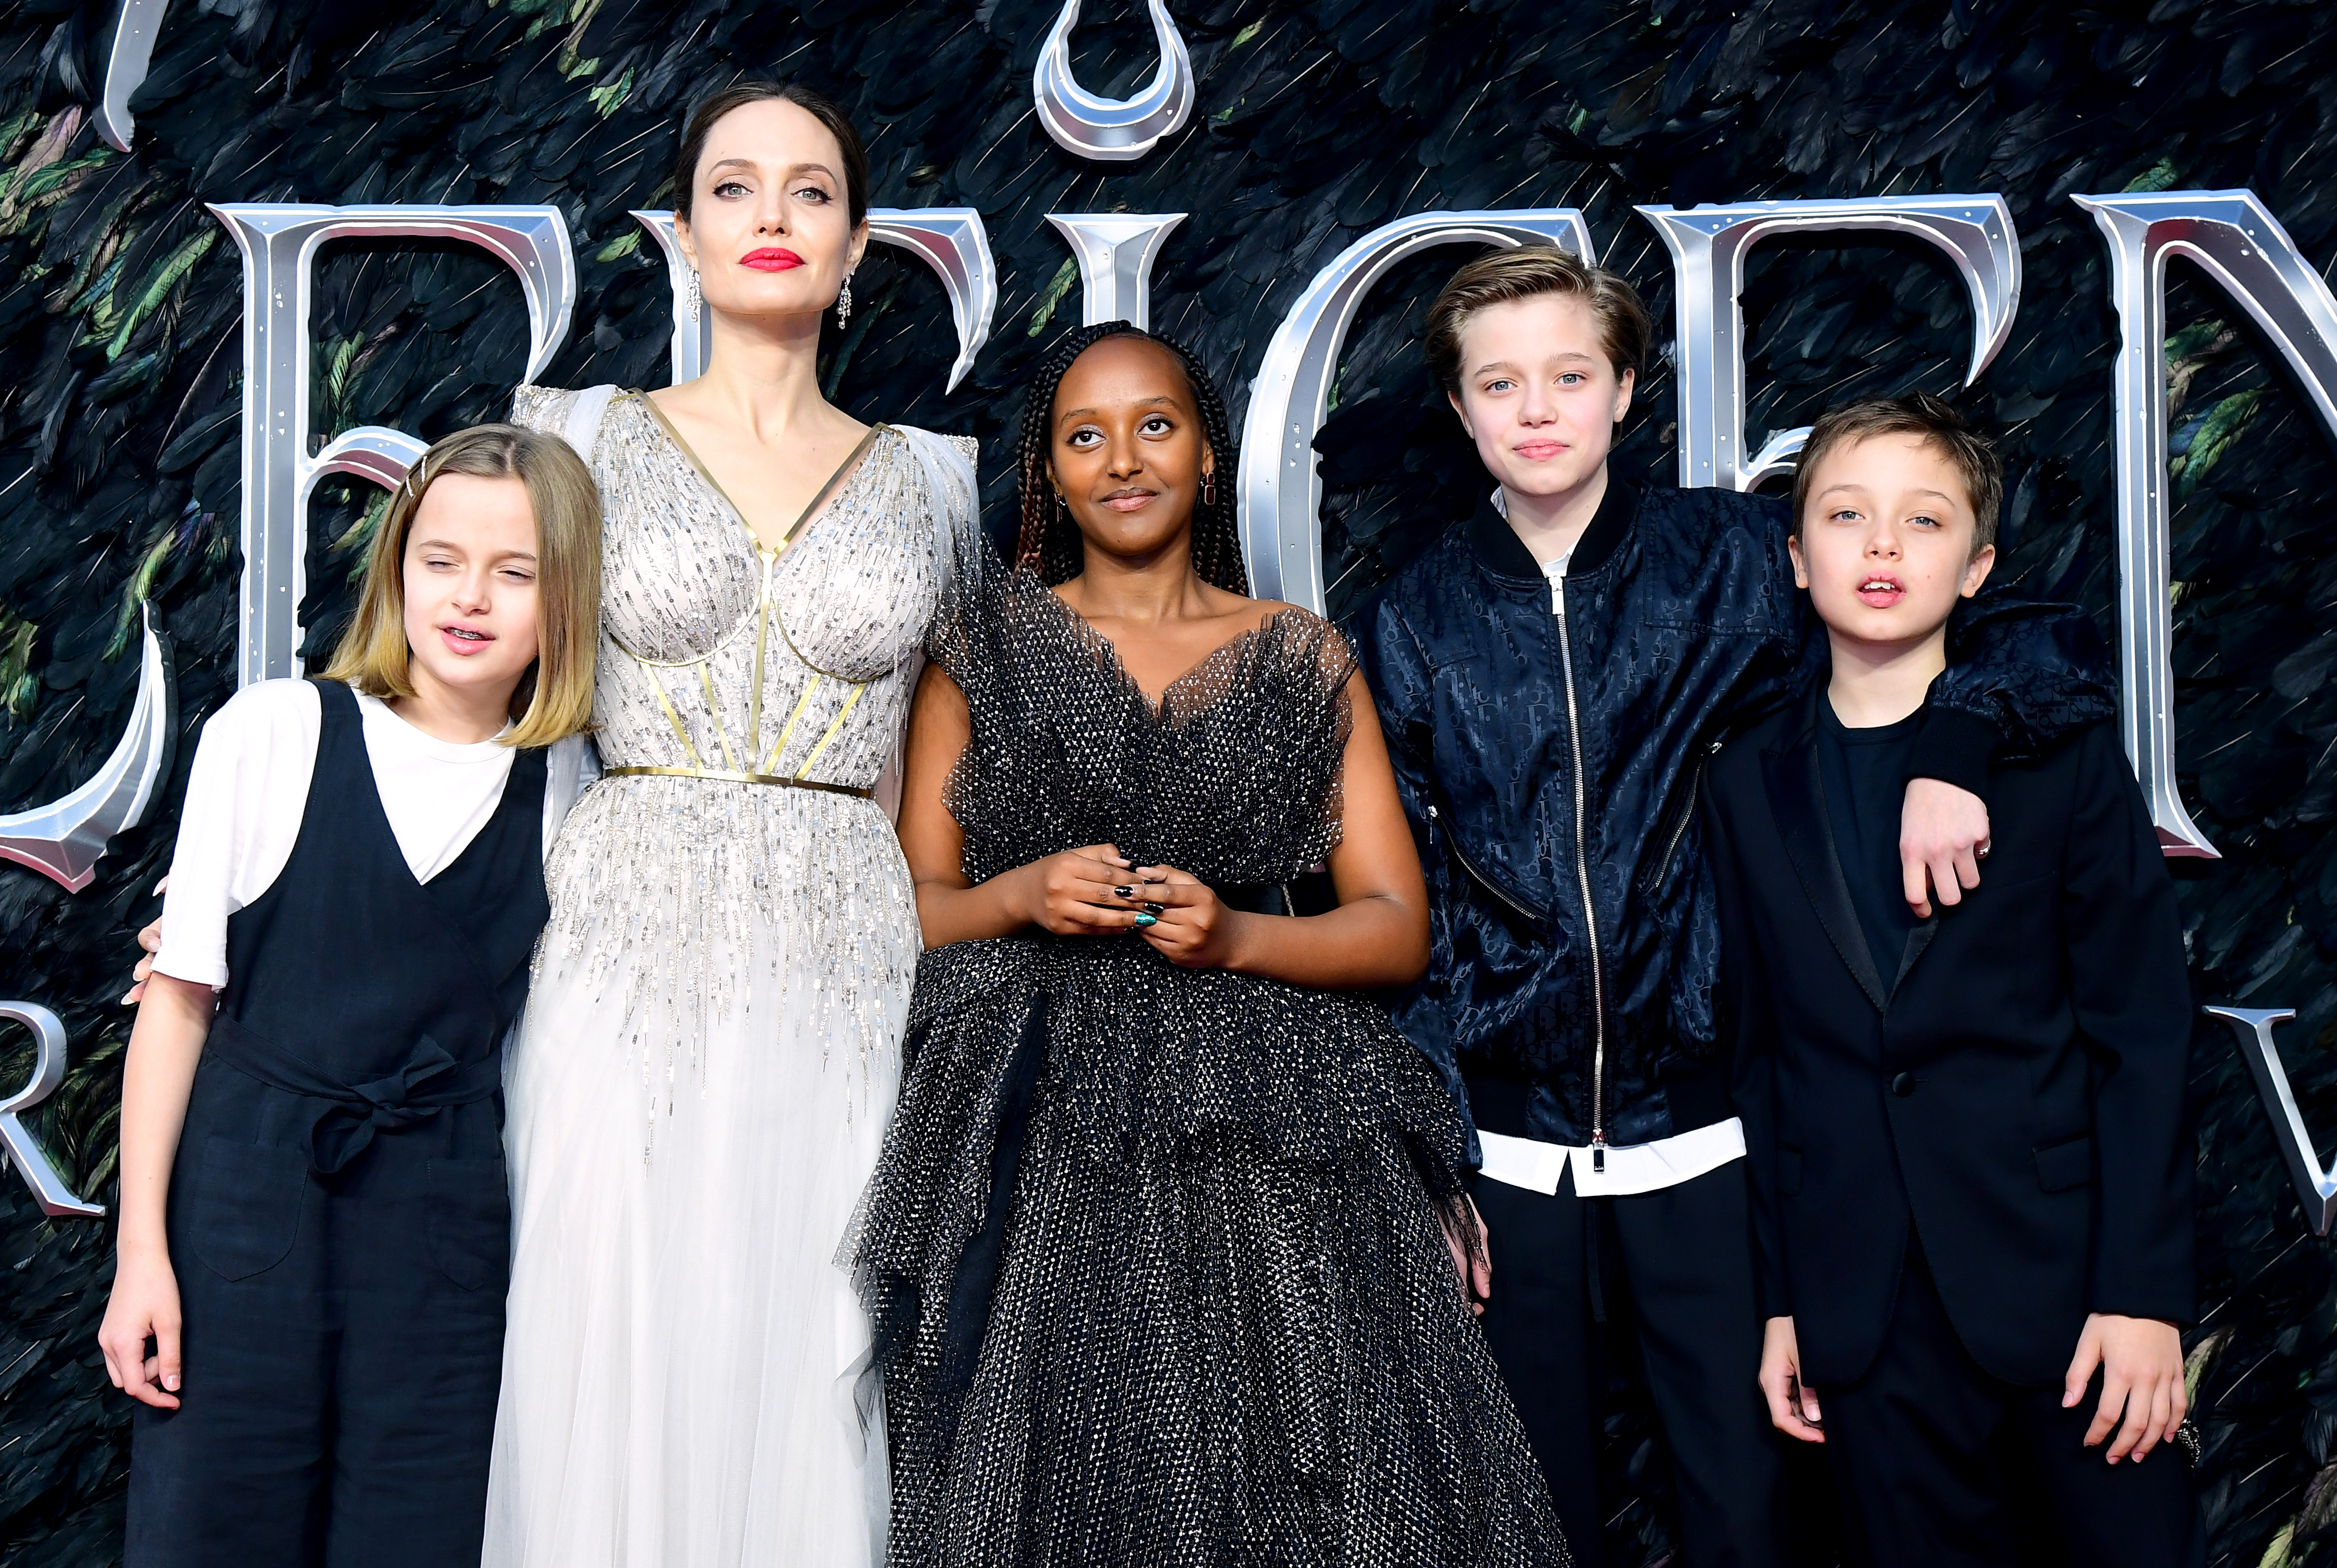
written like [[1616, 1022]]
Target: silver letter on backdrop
[[1114, 129], [949, 239], [1115, 252], [1282, 541], [63, 839], [2316, 1188], [56, 1199], [1709, 246], [2230, 236], [279, 244], [135, 26]]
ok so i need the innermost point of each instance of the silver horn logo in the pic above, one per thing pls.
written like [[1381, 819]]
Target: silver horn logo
[[1112, 130]]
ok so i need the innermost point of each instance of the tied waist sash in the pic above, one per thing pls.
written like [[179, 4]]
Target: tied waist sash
[[346, 1116]]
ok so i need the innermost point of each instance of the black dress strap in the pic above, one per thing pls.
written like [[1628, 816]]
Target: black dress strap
[[419, 981]]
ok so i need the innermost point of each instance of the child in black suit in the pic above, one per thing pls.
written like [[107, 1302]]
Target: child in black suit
[[1967, 1135]]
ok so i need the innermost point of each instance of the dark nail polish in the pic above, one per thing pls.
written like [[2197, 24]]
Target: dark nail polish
[[1154, 909], [1127, 891]]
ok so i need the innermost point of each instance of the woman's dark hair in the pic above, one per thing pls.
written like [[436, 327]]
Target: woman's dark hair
[[1049, 540], [737, 95]]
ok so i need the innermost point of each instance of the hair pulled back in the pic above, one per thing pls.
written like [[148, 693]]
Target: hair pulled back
[[710, 108], [1049, 541], [1522, 272]]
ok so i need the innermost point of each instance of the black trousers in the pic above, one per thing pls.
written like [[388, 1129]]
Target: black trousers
[[343, 1349], [1911, 1444], [1686, 1255]]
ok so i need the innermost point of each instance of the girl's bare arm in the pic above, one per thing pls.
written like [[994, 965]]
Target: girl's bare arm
[[175, 1017], [1070, 895]]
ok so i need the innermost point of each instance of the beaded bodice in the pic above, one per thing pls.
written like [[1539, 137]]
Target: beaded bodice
[[718, 654], [1234, 777]]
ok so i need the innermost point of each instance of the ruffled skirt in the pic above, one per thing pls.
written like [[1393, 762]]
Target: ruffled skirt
[[1155, 1266]]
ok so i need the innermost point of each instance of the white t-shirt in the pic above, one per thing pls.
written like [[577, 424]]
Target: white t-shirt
[[249, 790]]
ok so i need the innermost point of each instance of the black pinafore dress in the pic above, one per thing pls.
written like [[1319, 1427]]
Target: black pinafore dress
[[340, 1218]]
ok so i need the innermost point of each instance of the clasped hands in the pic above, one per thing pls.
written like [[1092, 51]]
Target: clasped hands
[[1096, 891]]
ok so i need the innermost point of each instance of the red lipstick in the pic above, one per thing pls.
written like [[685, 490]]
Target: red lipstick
[[771, 258]]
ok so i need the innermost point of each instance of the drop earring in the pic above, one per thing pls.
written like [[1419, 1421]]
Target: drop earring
[[1209, 488], [843, 301], [689, 294]]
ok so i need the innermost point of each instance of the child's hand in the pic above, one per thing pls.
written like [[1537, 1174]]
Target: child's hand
[[1942, 838], [1792, 1406], [1189, 927], [1075, 893], [145, 1302], [2141, 1361], [1471, 1261], [150, 940]]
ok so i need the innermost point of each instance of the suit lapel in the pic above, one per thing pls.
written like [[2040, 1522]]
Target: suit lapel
[[1917, 940], [1797, 801]]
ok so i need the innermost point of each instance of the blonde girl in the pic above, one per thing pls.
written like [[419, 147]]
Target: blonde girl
[[309, 1302]]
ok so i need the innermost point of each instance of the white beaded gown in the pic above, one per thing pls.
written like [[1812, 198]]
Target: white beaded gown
[[711, 1048]]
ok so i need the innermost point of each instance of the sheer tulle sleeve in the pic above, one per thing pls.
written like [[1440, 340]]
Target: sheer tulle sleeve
[[966, 567]]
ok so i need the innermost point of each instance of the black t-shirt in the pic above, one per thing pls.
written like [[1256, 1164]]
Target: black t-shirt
[[1864, 772]]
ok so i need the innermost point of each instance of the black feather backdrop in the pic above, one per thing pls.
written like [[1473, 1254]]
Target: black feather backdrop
[[119, 398]]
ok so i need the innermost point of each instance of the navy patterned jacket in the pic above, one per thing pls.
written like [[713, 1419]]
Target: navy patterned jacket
[[1548, 766]]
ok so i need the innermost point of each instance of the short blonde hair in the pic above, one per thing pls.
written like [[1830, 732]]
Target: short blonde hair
[[554, 698], [1521, 272]]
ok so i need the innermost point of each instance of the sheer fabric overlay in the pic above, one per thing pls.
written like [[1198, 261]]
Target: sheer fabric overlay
[[1218, 1323], [711, 1048]]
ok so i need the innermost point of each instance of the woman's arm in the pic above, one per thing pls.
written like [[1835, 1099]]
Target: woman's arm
[[1070, 894], [165, 1044], [1378, 936]]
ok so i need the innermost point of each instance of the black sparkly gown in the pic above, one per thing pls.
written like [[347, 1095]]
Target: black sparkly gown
[[1153, 1256]]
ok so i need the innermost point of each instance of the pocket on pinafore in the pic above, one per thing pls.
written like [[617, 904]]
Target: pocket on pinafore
[[470, 1221], [246, 1212]]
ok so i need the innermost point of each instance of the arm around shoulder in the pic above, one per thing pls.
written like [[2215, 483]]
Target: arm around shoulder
[[2034, 672], [2131, 992], [1747, 1028]]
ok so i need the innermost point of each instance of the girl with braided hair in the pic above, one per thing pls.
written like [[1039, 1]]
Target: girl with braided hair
[[1165, 1259]]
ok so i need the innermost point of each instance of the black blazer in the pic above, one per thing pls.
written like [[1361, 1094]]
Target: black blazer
[[2017, 1088]]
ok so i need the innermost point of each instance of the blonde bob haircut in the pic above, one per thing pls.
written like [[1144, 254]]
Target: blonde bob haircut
[[554, 698]]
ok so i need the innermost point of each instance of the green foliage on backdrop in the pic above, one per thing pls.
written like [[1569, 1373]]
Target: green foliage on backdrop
[[120, 372]]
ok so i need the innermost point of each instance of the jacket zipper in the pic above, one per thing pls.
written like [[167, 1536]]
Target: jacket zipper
[[1687, 810], [1452, 846], [1582, 877]]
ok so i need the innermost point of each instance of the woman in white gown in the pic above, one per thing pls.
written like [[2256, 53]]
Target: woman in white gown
[[712, 1045]]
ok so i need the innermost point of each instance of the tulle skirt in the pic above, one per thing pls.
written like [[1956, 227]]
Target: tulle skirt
[[1157, 1274], [709, 1061]]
